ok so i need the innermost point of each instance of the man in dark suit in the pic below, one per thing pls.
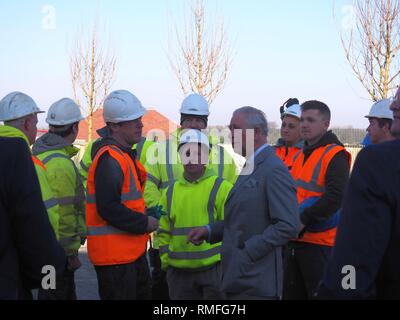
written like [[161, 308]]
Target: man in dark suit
[[261, 215], [27, 241], [365, 263]]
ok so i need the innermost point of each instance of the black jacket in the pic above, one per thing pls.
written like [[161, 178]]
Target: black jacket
[[108, 181], [27, 242], [368, 236], [336, 178]]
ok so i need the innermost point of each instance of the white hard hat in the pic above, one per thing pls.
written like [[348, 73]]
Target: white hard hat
[[194, 136], [64, 112], [196, 105], [293, 110], [17, 105], [381, 110], [121, 106]]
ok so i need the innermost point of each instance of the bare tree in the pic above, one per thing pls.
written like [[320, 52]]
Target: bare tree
[[92, 67], [372, 46], [201, 57]]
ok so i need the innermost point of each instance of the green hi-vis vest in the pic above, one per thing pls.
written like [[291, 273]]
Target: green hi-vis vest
[[191, 205]]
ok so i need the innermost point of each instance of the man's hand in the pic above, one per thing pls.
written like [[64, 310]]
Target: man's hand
[[152, 224], [73, 263], [197, 236]]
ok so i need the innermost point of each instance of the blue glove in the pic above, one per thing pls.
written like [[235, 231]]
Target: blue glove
[[330, 223], [155, 212]]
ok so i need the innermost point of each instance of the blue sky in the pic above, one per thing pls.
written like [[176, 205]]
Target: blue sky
[[284, 49]]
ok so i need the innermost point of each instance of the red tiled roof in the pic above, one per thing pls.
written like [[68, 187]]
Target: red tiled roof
[[151, 120]]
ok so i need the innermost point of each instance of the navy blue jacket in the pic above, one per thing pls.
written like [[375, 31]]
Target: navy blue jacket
[[368, 235], [27, 242]]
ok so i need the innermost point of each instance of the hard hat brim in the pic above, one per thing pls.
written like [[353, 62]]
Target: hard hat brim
[[130, 118], [63, 123]]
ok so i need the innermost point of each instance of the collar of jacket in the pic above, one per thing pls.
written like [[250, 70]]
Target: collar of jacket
[[208, 173], [110, 141], [52, 142], [11, 132], [327, 138], [103, 132]]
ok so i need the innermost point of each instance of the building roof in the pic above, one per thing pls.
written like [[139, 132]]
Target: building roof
[[152, 120]]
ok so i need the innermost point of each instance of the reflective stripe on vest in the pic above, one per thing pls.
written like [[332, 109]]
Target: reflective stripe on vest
[[221, 162], [297, 155], [50, 203], [168, 166], [103, 231], [154, 180], [84, 166], [313, 184], [55, 155], [163, 249], [195, 255]]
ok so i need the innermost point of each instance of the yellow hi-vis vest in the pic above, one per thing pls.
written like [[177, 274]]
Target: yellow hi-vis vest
[[190, 205]]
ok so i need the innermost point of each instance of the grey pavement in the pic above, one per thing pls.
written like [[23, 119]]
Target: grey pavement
[[85, 278]]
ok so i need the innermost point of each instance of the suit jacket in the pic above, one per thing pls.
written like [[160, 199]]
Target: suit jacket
[[27, 241], [368, 236], [261, 215]]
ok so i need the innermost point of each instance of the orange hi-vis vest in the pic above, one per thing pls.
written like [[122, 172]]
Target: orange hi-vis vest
[[106, 244], [287, 154], [310, 182]]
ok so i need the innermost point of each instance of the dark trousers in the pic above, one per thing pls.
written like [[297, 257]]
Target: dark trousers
[[159, 288], [65, 288], [125, 282], [304, 267], [195, 285]]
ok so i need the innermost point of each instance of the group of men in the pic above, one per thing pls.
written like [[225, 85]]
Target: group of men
[[277, 228]]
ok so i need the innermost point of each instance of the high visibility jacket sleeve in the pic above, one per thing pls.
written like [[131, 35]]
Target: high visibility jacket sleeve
[[163, 234], [53, 209], [218, 226], [230, 168], [221, 198], [152, 190], [85, 163], [63, 179]]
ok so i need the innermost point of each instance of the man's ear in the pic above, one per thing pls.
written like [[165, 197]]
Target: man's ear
[[76, 127], [27, 123]]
